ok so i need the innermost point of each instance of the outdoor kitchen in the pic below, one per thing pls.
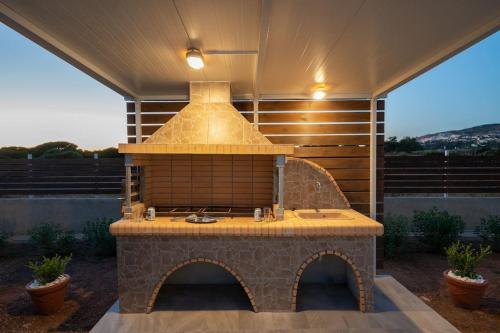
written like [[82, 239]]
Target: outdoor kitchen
[[250, 166], [208, 187]]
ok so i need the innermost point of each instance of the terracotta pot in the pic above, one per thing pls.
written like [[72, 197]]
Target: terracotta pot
[[465, 294], [49, 299]]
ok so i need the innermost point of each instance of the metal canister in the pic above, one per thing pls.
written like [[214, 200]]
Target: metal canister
[[257, 214], [151, 214]]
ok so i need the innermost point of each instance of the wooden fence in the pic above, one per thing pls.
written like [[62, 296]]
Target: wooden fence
[[61, 176], [442, 174]]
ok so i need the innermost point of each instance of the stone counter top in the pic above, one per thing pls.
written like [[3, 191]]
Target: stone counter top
[[354, 224]]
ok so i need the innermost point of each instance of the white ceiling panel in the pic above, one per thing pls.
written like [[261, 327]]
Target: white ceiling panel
[[358, 48]]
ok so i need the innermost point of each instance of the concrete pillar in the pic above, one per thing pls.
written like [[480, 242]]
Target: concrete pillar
[[373, 158], [138, 121], [127, 212], [280, 164]]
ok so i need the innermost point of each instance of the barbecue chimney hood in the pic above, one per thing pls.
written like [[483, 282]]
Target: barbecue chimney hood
[[209, 124]]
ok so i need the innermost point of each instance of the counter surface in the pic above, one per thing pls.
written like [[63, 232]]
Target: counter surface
[[355, 224]]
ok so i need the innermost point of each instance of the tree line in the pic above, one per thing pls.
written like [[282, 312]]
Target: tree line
[[409, 145], [56, 149]]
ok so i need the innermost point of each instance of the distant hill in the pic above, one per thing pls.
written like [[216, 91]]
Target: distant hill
[[474, 137]]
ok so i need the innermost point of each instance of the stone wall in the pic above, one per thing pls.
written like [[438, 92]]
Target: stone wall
[[269, 269], [308, 185], [19, 215], [471, 209]]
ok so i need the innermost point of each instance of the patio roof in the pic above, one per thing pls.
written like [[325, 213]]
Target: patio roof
[[269, 49]]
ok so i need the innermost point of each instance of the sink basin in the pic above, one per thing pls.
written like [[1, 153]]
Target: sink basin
[[323, 216]]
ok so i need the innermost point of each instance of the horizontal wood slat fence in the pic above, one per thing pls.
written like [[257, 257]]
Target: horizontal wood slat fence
[[442, 174], [61, 176], [206, 180]]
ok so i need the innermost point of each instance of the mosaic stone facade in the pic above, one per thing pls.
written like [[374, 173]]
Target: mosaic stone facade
[[208, 119], [268, 268], [301, 186]]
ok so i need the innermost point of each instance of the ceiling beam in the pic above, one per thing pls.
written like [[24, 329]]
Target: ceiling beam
[[265, 8], [26, 28], [439, 57]]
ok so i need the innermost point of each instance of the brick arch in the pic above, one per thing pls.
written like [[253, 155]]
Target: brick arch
[[237, 276], [357, 275]]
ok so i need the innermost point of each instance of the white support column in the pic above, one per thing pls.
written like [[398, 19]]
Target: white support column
[[373, 174], [280, 164], [127, 211], [256, 113], [373, 158], [138, 122]]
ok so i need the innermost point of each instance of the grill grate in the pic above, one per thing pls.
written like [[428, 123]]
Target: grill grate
[[200, 211]]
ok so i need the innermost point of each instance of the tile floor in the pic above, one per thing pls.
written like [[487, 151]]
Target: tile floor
[[321, 309]]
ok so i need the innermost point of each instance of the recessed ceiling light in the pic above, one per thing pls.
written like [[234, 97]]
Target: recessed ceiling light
[[195, 59], [319, 94], [319, 90]]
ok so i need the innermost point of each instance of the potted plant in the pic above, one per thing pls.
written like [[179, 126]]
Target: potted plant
[[49, 283], [465, 286]]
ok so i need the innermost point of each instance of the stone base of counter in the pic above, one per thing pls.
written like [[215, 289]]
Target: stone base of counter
[[268, 269]]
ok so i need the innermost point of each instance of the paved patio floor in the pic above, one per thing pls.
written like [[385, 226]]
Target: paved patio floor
[[396, 310]]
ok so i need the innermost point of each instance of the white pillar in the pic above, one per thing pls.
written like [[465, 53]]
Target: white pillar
[[280, 164], [127, 211], [373, 158], [256, 113], [373, 173], [138, 122]]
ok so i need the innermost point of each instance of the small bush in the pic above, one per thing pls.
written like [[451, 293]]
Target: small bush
[[396, 229], [50, 269], [490, 231], [99, 238], [50, 239], [463, 260], [4, 235], [437, 229]]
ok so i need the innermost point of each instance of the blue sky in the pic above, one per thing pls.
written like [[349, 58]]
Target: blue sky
[[42, 98], [462, 92]]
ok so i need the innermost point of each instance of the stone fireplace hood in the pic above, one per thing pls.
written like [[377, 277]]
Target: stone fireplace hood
[[209, 124]]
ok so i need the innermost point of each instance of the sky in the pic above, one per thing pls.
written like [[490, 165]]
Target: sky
[[43, 98], [462, 92]]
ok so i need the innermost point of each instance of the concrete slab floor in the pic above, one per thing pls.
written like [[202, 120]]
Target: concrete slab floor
[[396, 310]]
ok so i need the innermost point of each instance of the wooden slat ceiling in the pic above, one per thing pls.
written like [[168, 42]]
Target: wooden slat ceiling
[[359, 48]]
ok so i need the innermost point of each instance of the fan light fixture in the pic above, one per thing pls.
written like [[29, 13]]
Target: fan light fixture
[[195, 59]]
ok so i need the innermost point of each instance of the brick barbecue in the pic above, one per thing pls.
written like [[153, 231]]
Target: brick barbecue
[[193, 163]]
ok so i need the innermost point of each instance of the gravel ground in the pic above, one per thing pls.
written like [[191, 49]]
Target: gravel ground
[[92, 291], [421, 274]]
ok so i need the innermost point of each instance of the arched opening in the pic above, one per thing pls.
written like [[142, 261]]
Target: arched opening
[[201, 284], [328, 281]]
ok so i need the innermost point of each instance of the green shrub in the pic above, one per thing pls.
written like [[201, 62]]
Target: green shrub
[[99, 238], [437, 229], [463, 260], [490, 231], [4, 235], [58, 153], [50, 239], [50, 268], [396, 229]]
